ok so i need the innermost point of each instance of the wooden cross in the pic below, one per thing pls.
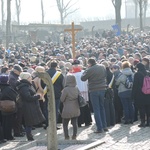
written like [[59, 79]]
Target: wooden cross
[[73, 33]]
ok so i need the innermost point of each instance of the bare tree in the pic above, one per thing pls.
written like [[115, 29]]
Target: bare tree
[[8, 23], [141, 13], [136, 8], [65, 9], [3, 14], [117, 5], [42, 9], [145, 10], [18, 10]]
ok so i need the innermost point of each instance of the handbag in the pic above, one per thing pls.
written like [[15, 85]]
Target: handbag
[[7, 106], [82, 102]]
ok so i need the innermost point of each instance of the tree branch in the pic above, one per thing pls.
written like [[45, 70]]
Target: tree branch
[[113, 2], [68, 13], [65, 7], [70, 6]]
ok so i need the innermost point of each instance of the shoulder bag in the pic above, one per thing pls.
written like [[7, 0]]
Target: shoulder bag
[[7, 106]]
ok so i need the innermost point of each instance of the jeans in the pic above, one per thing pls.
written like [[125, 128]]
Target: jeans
[[57, 104], [97, 100], [128, 107]]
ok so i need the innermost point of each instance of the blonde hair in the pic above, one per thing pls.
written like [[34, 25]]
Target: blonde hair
[[126, 64]]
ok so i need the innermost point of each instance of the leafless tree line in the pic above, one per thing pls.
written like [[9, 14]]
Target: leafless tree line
[[142, 10], [66, 8]]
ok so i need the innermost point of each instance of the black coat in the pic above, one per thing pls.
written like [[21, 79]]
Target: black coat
[[58, 85], [138, 96], [30, 103], [13, 79], [109, 75], [7, 93]]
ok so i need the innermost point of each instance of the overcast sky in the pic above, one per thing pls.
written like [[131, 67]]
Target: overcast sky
[[31, 10]]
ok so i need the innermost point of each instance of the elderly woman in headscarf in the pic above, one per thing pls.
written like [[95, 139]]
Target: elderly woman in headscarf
[[141, 100], [30, 103]]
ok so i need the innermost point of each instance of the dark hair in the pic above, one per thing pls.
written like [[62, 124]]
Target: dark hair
[[53, 64], [3, 70], [3, 79], [92, 61]]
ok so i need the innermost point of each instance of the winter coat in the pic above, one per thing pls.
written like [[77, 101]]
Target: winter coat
[[7, 93], [69, 98], [30, 103], [96, 76], [58, 85], [109, 75], [13, 79], [120, 81], [138, 96]]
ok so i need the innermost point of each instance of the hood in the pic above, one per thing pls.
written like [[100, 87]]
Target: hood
[[71, 80], [141, 68], [127, 71], [22, 83], [117, 73]]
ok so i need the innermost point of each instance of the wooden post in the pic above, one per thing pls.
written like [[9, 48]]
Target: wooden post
[[51, 130], [73, 33], [73, 41]]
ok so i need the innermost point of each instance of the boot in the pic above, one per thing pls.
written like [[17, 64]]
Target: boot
[[30, 137], [142, 123], [67, 137], [74, 137], [148, 122]]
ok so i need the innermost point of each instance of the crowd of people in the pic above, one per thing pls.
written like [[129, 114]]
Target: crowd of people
[[107, 71]]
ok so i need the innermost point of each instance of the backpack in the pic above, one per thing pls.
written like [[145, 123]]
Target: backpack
[[146, 85], [129, 82]]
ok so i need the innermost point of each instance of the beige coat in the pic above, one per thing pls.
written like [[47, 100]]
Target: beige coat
[[69, 98]]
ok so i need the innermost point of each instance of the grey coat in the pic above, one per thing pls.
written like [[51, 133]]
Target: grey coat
[[96, 76], [120, 81], [69, 98]]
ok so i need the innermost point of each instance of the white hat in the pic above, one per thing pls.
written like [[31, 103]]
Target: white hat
[[25, 75]]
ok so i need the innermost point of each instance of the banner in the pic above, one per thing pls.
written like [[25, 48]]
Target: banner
[[116, 29]]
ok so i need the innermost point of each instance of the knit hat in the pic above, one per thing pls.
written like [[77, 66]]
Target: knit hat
[[25, 75], [113, 60], [115, 66], [3, 79], [40, 69], [18, 68], [146, 60], [76, 62]]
